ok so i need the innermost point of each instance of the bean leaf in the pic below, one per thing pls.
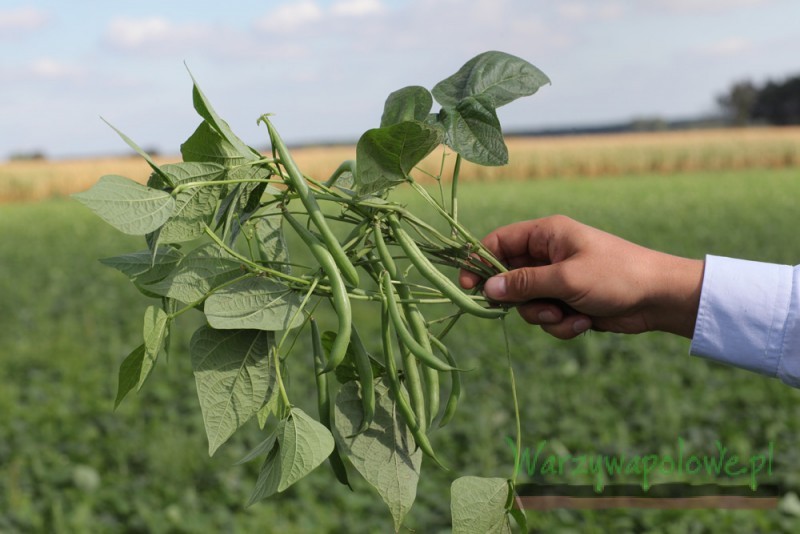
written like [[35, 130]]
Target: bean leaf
[[473, 130], [144, 268], [127, 205], [156, 327], [385, 454], [302, 444], [130, 373], [479, 505], [207, 145], [412, 103], [233, 372], [195, 206], [386, 155], [200, 271], [499, 76], [256, 303], [204, 109], [271, 241]]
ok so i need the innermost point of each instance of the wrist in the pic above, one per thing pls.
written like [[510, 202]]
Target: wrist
[[676, 298]]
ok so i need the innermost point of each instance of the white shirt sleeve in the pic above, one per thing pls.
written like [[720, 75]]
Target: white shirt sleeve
[[749, 317]]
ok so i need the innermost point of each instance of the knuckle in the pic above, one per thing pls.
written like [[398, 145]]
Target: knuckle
[[520, 285]]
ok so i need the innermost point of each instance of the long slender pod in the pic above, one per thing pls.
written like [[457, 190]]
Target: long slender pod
[[455, 383], [435, 277], [298, 182], [339, 297], [324, 402], [403, 405], [419, 329], [365, 378]]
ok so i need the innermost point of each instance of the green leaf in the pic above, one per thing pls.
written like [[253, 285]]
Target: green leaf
[[195, 206], [233, 372], [130, 373], [156, 325], [204, 109], [207, 145], [142, 153], [143, 267], [255, 302], [499, 76], [385, 454], [473, 130], [386, 155], [479, 505], [412, 103], [127, 205], [262, 448], [302, 444], [271, 240], [200, 271]]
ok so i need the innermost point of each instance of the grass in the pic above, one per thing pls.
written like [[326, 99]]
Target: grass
[[68, 463]]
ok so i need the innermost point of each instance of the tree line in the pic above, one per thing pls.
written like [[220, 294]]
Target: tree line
[[774, 102]]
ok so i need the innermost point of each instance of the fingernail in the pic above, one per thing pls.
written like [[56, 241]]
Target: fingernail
[[547, 316], [581, 325], [495, 287]]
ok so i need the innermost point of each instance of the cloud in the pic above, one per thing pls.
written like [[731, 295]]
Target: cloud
[[50, 69], [154, 32], [288, 18], [733, 46], [583, 11], [357, 8], [707, 6], [14, 22]]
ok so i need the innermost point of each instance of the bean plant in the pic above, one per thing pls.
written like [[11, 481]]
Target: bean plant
[[215, 227]]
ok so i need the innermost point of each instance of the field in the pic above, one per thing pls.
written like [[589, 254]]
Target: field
[[69, 463]]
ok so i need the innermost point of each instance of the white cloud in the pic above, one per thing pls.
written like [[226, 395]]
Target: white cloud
[[137, 34], [22, 20], [357, 8], [582, 11], [728, 47], [290, 17], [50, 69], [706, 6]]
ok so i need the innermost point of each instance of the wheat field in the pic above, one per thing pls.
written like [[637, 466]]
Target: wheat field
[[529, 158]]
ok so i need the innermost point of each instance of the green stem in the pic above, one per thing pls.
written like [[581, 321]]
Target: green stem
[[211, 183], [279, 378], [516, 404], [454, 190], [479, 248]]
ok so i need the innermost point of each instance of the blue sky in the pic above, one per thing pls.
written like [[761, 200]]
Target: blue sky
[[324, 68]]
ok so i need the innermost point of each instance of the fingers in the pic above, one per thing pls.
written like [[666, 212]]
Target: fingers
[[529, 283], [560, 323]]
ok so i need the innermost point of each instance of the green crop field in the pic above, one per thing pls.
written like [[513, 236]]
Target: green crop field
[[69, 463]]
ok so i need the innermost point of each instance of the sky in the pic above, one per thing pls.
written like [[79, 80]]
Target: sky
[[325, 67]]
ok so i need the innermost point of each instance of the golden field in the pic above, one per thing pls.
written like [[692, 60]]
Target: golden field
[[529, 158]]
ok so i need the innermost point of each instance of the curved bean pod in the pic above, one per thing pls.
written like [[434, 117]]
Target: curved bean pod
[[365, 378], [339, 296], [435, 277], [298, 182], [455, 383]]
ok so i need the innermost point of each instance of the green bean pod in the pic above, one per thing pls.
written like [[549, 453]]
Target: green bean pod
[[324, 402], [396, 388], [435, 277], [298, 182], [365, 378], [419, 328], [455, 383], [339, 296], [425, 356]]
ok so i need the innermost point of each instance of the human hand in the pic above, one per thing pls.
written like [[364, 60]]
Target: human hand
[[569, 277]]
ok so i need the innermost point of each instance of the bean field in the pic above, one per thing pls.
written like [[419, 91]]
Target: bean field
[[70, 463]]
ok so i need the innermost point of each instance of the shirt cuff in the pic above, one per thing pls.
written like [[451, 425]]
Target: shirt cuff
[[748, 317]]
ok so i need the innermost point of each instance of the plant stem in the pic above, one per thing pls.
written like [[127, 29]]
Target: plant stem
[[211, 183], [516, 404], [454, 192], [279, 378]]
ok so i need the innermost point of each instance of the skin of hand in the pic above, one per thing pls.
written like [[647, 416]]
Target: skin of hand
[[569, 277]]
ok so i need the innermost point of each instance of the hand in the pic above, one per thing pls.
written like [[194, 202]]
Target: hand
[[569, 277]]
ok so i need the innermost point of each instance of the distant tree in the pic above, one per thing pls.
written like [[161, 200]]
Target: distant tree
[[779, 102], [739, 102]]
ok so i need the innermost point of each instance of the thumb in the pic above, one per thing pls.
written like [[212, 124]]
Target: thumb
[[524, 284]]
